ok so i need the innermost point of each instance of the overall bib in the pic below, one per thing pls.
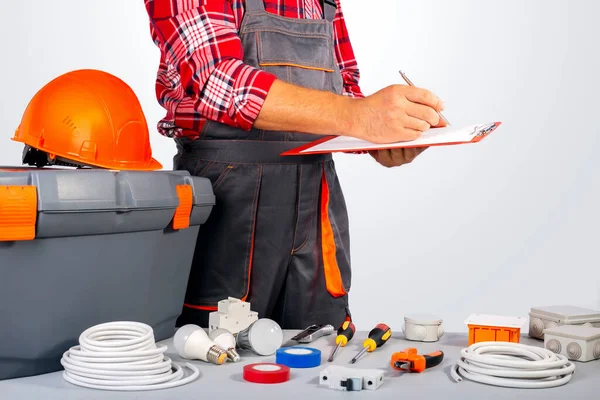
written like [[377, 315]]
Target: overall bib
[[278, 234]]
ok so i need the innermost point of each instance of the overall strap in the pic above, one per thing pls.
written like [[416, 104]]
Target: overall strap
[[330, 8], [255, 5]]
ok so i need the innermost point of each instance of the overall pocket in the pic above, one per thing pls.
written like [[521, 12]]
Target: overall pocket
[[222, 262], [300, 59]]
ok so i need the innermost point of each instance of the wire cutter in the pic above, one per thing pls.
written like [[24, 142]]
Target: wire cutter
[[410, 360]]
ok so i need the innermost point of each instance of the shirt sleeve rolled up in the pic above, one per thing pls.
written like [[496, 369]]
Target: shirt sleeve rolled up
[[204, 48]]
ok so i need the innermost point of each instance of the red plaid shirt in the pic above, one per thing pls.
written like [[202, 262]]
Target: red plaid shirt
[[201, 73]]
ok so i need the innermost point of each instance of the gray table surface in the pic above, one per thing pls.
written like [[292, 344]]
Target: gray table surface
[[225, 381]]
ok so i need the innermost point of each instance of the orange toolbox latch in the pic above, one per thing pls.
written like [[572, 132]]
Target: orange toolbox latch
[[181, 219], [18, 213]]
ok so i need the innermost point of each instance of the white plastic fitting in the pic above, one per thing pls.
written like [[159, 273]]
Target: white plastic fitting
[[577, 343], [423, 328], [233, 315], [541, 318], [350, 379]]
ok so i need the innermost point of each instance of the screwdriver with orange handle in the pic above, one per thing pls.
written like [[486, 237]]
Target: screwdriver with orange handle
[[345, 333], [377, 338], [410, 360]]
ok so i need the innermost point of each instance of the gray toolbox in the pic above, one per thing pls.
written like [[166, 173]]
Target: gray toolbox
[[83, 247]]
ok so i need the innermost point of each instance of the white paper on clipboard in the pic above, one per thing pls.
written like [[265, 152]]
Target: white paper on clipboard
[[449, 135]]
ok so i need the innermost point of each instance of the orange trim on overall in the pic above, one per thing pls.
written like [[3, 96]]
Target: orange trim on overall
[[282, 64], [18, 213], [333, 277], [251, 259], [203, 308]]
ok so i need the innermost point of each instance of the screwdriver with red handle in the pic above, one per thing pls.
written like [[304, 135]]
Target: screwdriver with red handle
[[410, 360], [377, 338], [345, 333]]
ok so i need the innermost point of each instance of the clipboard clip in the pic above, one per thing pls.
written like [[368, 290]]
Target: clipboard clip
[[483, 130]]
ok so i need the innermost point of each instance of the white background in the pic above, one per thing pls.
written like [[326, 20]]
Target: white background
[[496, 227]]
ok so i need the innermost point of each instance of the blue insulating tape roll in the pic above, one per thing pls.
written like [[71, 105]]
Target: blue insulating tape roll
[[298, 357]]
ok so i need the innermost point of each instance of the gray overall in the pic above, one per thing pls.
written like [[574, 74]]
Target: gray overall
[[278, 234]]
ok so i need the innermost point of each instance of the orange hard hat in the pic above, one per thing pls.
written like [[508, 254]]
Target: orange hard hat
[[86, 118]]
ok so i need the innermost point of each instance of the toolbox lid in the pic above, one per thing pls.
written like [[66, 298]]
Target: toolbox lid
[[423, 319], [76, 190], [496, 320], [566, 314], [56, 202], [579, 332]]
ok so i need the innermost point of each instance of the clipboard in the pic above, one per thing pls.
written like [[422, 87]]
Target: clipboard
[[445, 136]]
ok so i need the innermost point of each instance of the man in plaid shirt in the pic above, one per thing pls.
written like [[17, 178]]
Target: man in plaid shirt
[[243, 81]]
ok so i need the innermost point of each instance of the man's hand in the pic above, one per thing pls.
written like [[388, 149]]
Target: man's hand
[[397, 157], [396, 113]]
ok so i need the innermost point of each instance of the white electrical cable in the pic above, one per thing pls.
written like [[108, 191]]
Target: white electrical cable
[[122, 356], [512, 365]]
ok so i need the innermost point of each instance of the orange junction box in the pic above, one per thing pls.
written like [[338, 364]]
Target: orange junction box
[[494, 328]]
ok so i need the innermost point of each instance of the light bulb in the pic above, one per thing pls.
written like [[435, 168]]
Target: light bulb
[[193, 343], [225, 340], [263, 337]]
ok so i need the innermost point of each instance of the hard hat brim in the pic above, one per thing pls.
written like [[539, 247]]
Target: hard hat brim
[[151, 165]]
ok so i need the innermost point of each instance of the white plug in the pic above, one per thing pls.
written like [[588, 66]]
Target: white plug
[[192, 343], [225, 340]]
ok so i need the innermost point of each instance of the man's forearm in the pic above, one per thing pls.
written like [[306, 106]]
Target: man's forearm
[[297, 109], [393, 114]]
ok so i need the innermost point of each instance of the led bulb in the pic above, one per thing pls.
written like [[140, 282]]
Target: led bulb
[[193, 343], [225, 340], [263, 337]]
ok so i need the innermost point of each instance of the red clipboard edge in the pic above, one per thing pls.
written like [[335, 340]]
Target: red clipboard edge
[[298, 150]]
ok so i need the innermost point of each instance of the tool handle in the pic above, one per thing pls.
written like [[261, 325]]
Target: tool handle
[[410, 360], [433, 359], [345, 333], [379, 335]]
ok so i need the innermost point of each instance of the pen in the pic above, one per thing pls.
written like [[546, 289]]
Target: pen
[[411, 84]]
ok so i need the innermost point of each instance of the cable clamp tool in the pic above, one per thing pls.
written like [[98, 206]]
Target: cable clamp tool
[[410, 360]]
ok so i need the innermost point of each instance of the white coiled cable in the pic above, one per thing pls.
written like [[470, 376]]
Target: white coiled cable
[[122, 356], [512, 365]]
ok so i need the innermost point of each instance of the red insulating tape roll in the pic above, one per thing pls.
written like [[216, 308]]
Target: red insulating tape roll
[[266, 373]]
